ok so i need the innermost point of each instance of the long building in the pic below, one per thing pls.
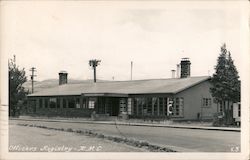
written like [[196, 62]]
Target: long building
[[190, 98]]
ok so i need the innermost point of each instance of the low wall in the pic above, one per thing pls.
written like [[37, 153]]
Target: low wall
[[62, 112]]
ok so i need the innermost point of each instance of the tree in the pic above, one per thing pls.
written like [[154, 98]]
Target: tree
[[226, 84], [233, 76], [16, 91], [94, 63]]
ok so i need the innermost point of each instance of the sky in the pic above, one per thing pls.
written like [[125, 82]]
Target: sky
[[55, 36]]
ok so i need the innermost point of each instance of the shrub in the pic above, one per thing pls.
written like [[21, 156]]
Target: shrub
[[69, 130]]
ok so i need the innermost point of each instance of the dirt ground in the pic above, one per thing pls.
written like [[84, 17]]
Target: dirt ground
[[31, 139]]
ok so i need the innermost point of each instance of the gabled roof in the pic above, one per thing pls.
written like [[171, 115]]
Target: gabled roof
[[150, 86]]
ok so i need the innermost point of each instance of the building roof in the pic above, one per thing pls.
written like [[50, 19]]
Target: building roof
[[149, 86]]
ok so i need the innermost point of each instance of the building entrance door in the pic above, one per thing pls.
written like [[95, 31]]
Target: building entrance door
[[114, 106]]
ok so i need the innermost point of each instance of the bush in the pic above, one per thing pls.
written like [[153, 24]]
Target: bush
[[218, 120], [69, 130], [150, 117], [144, 143], [100, 136], [78, 131]]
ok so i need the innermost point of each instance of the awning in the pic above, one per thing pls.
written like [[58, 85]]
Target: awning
[[104, 95]]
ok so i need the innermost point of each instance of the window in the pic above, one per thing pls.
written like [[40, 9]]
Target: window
[[206, 102], [83, 103], [139, 107], [46, 103], [161, 106], [109, 105], [129, 106], [135, 106], [178, 107], [40, 103], [155, 105], [149, 102], [123, 104], [64, 103], [144, 106], [91, 104], [77, 102], [166, 105], [58, 103], [71, 103], [52, 102], [181, 104]]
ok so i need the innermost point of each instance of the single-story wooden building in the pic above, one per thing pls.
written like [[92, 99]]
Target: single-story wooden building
[[190, 98]]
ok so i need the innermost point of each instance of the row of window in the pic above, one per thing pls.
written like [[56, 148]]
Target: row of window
[[142, 106], [65, 102], [156, 106], [136, 106]]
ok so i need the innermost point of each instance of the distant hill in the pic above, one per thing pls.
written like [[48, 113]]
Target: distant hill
[[49, 83]]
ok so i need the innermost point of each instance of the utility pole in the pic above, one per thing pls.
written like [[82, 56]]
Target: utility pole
[[131, 70], [94, 63], [33, 69]]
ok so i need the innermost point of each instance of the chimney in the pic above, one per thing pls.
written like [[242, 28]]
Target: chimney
[[185, 67], [173, 73], [63, 77], [178, 71]]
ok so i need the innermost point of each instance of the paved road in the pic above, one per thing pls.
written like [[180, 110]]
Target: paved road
[[187, 140], [31, 139]]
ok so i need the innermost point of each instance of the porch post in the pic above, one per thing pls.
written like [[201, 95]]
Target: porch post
[[81, 104], [152, 107], [106, 105], [163, 107], [158, 106], [137, 107]]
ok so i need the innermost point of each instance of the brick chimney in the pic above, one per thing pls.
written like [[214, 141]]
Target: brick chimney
[[185, 67], [63, 77]]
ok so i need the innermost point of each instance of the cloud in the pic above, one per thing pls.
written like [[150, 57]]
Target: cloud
[[64, 37]]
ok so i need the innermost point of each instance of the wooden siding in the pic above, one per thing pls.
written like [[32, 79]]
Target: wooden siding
[[193, 102]]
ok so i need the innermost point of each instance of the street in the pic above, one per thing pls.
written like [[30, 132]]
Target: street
[[184, 140]]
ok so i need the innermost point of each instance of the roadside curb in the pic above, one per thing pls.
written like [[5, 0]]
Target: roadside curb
[[134, 124]]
